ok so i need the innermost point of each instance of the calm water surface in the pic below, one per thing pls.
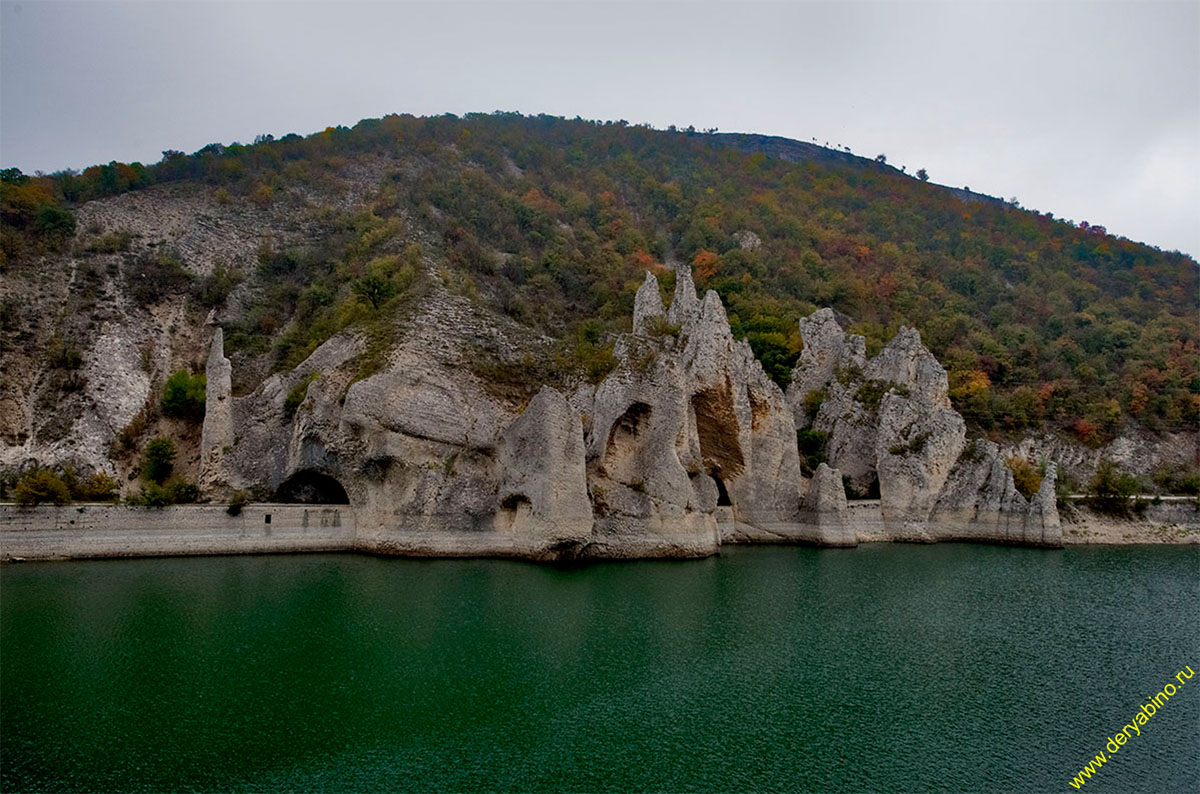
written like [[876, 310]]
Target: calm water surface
[[888, 668]]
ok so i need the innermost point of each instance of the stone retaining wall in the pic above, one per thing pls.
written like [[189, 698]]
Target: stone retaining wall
[[101, 530]]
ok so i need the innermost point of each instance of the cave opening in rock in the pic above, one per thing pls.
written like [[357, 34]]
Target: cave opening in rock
[[312, 487], [722, 493]]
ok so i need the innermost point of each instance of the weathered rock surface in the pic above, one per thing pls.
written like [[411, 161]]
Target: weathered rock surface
[[827, 350], [647, 304], [685, 445], [687, 423], [543, 489], [980, 502], [826, 511], [217, 433], [920, 436], [891, 426]]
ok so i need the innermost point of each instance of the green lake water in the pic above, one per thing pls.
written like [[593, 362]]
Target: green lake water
[[887, 668]]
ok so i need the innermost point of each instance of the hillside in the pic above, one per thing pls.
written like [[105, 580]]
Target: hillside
[[547, 227]]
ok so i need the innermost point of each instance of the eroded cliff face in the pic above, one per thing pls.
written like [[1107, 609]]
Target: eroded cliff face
[[891, 427], [687, 423], [685, 445], [635, 466]]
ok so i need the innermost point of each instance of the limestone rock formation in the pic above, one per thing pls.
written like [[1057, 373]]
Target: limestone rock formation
[[217, 433], [920, 436], [647, 304], [688, 422], [891, 426], [980, 502], [826, 511], [827, 350], [543, 488]]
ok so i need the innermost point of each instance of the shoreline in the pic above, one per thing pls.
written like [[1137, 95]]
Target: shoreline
[[106, 531]]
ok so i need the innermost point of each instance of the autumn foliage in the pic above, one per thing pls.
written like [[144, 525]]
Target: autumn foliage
[[554, 222]]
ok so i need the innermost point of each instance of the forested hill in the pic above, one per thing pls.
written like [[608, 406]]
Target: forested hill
[[553, 222]]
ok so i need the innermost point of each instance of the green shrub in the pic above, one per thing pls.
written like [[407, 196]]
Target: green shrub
[[155, 276], [151, 495], [184, 396], [297, 394], [1111, 490], [912, 446], [176, 492], [112, 242], [870, 394], [212, 290], [41, 485], [159, 460], [99, 487], [374, 289], [1176, 480], [658, 326], [813, 401], [812, 446], [1026, 477], [183, 492], [54, 222], [239, 500]]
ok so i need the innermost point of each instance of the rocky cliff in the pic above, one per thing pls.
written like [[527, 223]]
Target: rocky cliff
[[636, 465], [685, 445], [892, 430]]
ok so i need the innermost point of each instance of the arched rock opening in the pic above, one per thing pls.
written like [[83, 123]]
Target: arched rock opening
[[624, 442], [312, 487], [722, 493]]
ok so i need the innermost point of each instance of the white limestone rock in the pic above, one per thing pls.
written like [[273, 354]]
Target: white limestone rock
[[543, 496], [980, 502], [826, 511], [827, 349], [216, 436], [687, 423], [647, 304]]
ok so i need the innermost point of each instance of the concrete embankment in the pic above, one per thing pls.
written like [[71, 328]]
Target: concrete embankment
[[101, 530], [104, 530]]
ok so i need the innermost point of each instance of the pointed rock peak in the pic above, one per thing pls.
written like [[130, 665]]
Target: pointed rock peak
[[548, 398], [216, 349], [827, 348], [647, 303], [685, 305], [907, 339], [712, 310], [825, 490], [906, 361], [1047, 495]]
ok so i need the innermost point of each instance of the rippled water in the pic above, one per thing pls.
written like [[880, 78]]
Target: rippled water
[[886, 668]]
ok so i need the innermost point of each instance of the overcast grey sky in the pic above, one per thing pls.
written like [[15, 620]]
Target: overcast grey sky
[[1089, 110]]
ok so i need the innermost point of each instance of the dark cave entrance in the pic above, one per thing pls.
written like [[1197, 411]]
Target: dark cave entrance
[[312, 488], [717, 431], [722, 494]]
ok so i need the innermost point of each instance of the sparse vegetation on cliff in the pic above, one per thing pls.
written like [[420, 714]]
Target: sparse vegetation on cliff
[[552, 222], [44, 485], [183, 396]]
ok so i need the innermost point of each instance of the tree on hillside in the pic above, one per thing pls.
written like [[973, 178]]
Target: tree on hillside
[[159, 460]]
